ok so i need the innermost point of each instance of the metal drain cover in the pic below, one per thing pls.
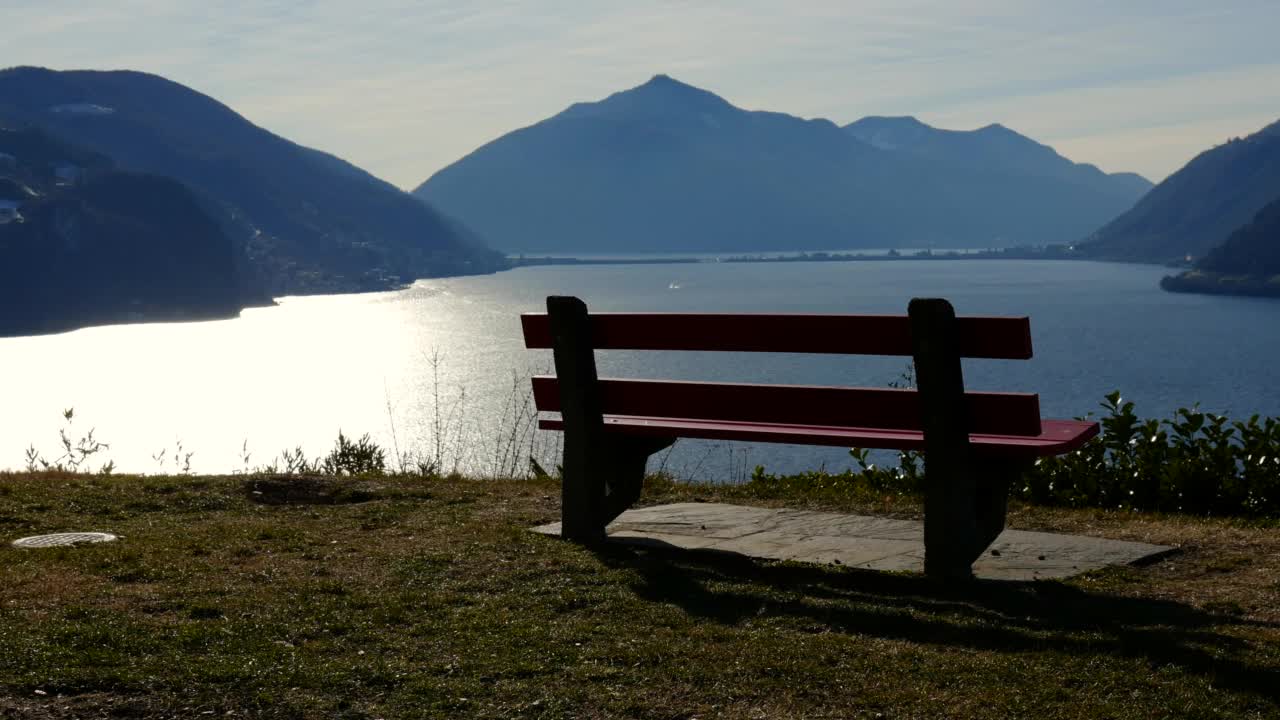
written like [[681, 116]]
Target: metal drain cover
[[63, 539]]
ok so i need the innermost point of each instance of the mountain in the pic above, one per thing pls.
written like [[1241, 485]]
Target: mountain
[[1246, 263], [34, 157], [82, 243], [1252, 250], [667, 167], [1197, 207], [309, 222], [995, 148]]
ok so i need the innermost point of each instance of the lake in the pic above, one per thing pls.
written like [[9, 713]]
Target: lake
[[439, 369]]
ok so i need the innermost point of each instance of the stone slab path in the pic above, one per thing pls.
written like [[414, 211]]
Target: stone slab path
[[859, 541]]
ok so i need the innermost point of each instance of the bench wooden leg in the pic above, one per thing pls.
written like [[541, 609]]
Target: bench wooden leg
[[951, 525], [585, 453], [602, 474], [991, 500], [582, 489], [990, 504], [601, 482], [950, 522], [624, 478], [961, 525], [965, 497]]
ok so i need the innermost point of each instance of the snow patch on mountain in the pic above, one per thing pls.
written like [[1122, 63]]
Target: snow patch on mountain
[[81, 109]]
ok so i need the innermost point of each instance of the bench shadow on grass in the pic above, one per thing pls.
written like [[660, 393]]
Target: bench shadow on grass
[[996, 616]]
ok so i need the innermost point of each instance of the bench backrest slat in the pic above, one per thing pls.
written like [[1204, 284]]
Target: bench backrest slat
[[980, 337], [988, 413]]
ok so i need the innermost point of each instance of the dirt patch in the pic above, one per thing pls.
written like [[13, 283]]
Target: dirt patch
[[309, 490]]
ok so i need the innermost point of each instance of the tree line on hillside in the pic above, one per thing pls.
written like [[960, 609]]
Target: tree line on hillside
[[92, 244], [1247, 263]]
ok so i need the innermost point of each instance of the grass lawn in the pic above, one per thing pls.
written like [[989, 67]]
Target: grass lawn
[[431, 599]]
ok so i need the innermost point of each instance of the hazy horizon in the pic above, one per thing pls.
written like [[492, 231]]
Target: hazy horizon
[[404, 88]]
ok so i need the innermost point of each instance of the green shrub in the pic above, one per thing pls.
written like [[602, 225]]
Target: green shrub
[[1194, 462], [362, 457], [908, 477]]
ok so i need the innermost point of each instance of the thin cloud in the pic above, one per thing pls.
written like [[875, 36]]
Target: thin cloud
[[403, 87]]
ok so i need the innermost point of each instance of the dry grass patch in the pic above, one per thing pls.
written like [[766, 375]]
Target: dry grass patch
[[432, 599]]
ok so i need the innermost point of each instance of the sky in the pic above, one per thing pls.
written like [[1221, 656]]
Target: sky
[[402, 88]]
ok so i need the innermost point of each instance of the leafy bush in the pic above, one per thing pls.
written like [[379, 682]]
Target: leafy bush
[[907, 477], [1194, 462]]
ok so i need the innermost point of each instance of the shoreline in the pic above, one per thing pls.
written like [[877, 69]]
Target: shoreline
[[1208, 283], [1052, 252], [1188, 282]]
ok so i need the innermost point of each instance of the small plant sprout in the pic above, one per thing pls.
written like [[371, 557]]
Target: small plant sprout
[[74, 454]]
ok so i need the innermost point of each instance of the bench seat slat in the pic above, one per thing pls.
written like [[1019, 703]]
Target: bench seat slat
[[1006, 338], [1056, 437], [988, 412]]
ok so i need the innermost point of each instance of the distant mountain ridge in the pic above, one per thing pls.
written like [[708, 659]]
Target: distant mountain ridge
[[668, 167], [309, 222], [1197, 207], [994, 147]]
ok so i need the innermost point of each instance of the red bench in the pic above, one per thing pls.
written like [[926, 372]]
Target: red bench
[[975, 443]]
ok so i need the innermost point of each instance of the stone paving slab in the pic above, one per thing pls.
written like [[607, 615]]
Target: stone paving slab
[[860, 541]]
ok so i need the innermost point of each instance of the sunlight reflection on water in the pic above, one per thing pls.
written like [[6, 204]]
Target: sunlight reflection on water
[[298, 373]]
